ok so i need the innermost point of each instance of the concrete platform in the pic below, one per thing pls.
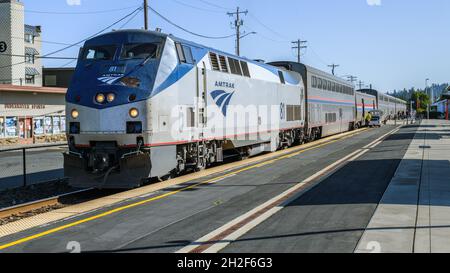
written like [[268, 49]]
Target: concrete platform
[[414, 213]]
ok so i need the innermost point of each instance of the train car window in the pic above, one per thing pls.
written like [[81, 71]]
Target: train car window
[[330, 117], [180, 53], [293, 112], [139, 51], [188, 55], [245, 69], [223, 64], [99, 53], [313, 82], [280, 73], [324, 84], [329, 86], [297, 112], [214, 61]]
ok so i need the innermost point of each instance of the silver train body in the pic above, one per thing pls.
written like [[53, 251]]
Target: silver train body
[[390, 107], [148, 105]]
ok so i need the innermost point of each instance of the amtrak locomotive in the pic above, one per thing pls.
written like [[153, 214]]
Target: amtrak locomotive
[[148, 105]]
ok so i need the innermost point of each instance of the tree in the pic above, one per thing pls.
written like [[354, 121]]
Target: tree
[[422, 101]]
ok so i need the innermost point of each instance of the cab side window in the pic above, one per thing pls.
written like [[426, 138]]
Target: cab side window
[[184, 54]]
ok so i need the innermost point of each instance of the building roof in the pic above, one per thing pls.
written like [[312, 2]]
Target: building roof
[[33, 30], [32, 89]]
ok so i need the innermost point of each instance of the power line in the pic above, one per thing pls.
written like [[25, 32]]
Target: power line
[[38, 57], [214, 5], [129, 20], [195, 7], [267, 27], [66, 64], [72, 45], [42, 41], [186, 30], [79, 13]]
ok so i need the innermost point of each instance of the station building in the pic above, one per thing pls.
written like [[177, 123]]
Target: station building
[[32, 98]]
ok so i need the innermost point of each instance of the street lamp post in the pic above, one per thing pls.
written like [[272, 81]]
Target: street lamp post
[[238, 50]]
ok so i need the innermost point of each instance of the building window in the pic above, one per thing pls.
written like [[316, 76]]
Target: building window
[[2, 127], [29, 38], [38, 126], [50, 80], [29, 58], [11, 127], [29, 79]]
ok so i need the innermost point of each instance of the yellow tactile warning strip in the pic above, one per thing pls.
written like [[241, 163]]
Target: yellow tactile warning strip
[[76, 210]]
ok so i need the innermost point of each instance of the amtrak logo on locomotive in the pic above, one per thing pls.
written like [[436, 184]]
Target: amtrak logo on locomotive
[[222, 100], [225, 84]]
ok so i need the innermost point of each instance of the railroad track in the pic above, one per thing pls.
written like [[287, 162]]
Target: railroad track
[[15, 213], [21, 211]]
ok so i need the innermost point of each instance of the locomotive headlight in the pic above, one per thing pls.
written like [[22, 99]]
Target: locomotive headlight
[[100, 98], [75, 114], [134, 113], [111, 97]]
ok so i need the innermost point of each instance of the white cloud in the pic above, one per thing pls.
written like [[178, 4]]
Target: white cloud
[[374, 2], [73, 2]]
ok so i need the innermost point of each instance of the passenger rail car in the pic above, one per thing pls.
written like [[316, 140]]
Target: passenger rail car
[[364, 104], [144, 104], [391, 107], [330, 103]]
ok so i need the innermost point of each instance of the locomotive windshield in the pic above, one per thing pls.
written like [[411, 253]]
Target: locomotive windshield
[[139, 51], [99, 53]]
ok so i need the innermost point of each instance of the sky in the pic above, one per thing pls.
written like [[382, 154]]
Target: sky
[[391, 44]]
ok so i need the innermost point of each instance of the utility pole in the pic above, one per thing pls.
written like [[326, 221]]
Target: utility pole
[[146, 14], [427, 92], [333, 66], [352, 79], [360, 84], [237, 24], [298, 45]]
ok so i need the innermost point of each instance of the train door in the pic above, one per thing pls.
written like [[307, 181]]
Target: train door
[[341, 114], [202, 96], [363, 109]]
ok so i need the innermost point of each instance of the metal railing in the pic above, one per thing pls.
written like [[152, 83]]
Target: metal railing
[[24, 166]]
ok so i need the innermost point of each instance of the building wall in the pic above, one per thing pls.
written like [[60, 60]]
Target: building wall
[[57, 77], [44, 112], [37, 61], [5, 36], [18, 45], [12, 32]]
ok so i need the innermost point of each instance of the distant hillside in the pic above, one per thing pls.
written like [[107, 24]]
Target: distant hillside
[[406, 94]]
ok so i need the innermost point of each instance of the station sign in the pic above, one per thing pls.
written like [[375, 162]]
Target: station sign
[[24, 106]]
